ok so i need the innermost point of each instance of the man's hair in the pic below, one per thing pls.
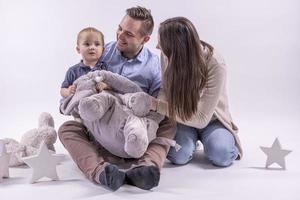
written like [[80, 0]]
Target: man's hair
[[144, 15], [90, 30]]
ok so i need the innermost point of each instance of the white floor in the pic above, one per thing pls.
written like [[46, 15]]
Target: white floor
[[246, 179]]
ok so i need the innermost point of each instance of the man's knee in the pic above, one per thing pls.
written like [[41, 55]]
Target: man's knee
[[167, 128], [69, 128]]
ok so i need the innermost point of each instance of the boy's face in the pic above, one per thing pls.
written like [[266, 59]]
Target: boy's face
[[129, 39], [90, 47]]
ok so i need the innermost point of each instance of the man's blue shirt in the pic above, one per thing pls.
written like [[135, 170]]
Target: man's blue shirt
[[144, 69]]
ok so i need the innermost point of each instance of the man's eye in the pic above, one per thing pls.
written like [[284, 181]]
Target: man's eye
[[129, 34]]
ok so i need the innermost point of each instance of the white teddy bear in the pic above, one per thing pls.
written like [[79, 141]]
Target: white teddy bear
[[31, 140]]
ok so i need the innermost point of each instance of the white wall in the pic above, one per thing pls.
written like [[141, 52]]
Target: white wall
[[259, 39]]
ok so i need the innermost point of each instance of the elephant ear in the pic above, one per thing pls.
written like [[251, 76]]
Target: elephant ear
[[85, 82], [85, 86], [71, 103]]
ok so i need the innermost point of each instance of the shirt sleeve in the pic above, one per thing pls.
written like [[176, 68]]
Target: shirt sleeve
[[156, 80], [69, 79]]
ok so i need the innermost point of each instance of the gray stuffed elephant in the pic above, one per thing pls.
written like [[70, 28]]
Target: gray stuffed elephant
[[119, 119]]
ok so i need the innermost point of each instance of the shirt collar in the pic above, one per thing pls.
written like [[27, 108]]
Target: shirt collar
[[98, 65], [140, 57], [82, 65]]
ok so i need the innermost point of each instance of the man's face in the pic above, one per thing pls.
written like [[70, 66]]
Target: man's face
[[129, 39]]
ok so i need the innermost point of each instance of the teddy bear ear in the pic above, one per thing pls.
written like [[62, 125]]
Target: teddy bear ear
[[46, 119]]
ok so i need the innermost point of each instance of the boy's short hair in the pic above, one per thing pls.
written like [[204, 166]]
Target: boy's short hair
[[90, 30], [144, 15]]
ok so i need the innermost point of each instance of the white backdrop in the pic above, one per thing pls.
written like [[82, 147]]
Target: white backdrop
[[259, 39]]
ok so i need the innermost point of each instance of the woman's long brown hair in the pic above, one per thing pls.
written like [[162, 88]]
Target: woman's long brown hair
[[186, 72]]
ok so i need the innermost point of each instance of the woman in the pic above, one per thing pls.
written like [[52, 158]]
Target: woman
[[193, 92]]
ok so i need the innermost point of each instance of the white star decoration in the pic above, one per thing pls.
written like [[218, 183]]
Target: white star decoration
[[4, 161], [275, 154], [43, 164]]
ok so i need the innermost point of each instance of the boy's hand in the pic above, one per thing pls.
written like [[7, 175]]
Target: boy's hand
[[100, 86], [71, 89]]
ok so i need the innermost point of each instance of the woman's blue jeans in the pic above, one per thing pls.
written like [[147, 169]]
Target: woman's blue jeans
[[218, 142]]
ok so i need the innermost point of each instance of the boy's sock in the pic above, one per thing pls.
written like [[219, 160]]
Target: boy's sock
[[144, 177], [112, 178]]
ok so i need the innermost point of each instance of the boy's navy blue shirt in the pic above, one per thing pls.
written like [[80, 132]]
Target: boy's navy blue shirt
[[78, 70]]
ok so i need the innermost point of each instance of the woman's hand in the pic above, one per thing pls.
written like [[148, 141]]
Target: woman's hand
[[100, 86], [154, 104]]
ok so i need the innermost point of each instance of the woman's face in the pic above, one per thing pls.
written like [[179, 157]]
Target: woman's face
[[163, 57], [158, 45]]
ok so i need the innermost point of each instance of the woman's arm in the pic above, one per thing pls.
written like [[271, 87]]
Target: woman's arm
[[160, 104]]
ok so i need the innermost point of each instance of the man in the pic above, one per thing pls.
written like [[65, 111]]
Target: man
[[128, 57]]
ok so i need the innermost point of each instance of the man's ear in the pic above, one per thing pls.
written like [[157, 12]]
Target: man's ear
[[78, 49], [146, 39]]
